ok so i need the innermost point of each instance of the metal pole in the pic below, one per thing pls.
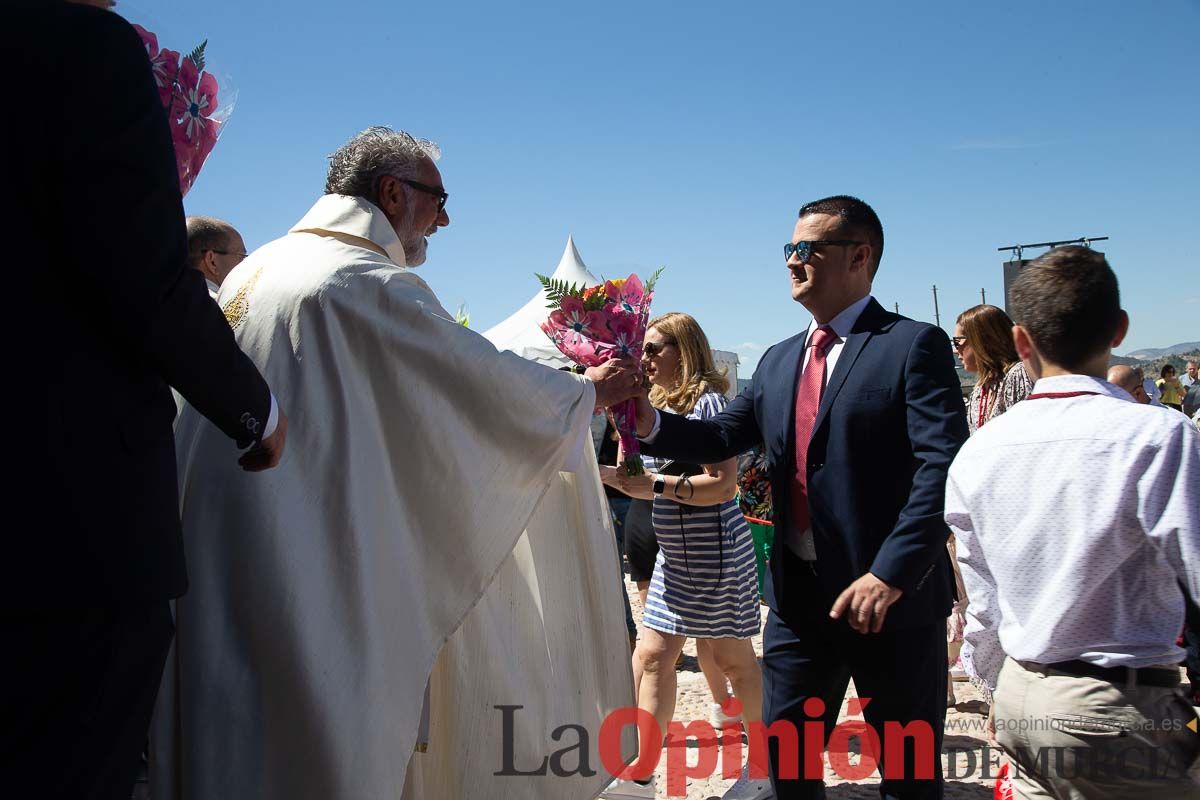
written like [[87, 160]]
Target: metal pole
[[983, 296], [897, 308], [936, 314]]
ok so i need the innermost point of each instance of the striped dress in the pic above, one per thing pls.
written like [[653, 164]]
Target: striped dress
[[704, 581]]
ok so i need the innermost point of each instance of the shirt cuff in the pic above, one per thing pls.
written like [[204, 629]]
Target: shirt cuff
[[653, 434], [272, 420]]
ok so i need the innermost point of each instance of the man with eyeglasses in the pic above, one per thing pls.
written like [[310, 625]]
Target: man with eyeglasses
[[214, 249], [324, 595], [861, 414]]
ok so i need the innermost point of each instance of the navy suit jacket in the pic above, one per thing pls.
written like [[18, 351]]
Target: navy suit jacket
[[890, 422], [103, 315]]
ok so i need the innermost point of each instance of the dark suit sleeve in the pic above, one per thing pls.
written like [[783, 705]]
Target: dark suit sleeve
[[128, 235], [937, 428], [732, 432]]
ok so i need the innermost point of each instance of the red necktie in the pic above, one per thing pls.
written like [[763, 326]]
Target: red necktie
[[808, 400]]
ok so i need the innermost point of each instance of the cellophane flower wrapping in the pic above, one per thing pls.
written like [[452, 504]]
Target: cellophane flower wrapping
[[600, 323], [196, 104]]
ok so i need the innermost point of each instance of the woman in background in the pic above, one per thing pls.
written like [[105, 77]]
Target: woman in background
[[1171, 388], [704, 582], [983, 340]]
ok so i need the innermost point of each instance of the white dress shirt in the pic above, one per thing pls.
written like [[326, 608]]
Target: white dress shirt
[[272, 419], [841, 325], [1075, 519]]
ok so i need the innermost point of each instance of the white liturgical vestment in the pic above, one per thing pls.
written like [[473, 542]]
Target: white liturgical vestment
[[418, 529]]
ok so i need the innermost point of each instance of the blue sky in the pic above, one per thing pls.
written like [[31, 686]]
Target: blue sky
[[688, 137]]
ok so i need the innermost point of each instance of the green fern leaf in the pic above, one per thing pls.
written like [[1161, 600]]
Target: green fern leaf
[[653, 279], [197, 55], [556, 290]]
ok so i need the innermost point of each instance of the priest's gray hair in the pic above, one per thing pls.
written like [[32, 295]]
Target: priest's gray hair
[[356, 167]]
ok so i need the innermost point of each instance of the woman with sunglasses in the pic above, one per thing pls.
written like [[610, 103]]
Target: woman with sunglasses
[[983, 340], [704, 583]]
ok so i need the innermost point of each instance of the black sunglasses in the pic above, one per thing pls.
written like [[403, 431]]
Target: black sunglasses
[[441, 194], [958, 341], [654, 348], [803, 250]]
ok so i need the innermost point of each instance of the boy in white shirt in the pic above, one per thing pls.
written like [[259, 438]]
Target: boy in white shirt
[[1077, 518]]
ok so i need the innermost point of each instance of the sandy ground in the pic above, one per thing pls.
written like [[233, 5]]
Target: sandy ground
[[964, 732]]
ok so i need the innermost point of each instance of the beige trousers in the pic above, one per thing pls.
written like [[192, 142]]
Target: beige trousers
[[1071, 737]]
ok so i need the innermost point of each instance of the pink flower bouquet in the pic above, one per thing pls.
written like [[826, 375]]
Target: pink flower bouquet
[[189, 96], [593, 325]]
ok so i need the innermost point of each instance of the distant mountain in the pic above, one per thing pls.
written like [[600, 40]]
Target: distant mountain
[[1158, 352], [1153, 366]]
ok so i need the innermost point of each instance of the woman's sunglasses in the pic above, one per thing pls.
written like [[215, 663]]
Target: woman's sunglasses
[[654, 348]]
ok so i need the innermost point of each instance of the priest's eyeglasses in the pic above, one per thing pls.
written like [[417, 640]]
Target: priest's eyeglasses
[[441, 194], [803, 250]]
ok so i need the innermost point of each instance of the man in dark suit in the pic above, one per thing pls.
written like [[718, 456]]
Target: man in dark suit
[[103, 315], [860, 415]]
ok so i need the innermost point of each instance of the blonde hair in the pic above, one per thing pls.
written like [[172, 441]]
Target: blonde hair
[[698, 372]]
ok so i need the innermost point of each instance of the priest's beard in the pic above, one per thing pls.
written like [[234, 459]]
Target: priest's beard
[[412, 239]]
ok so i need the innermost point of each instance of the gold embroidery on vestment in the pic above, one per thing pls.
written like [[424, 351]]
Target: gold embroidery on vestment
[[239, 305]]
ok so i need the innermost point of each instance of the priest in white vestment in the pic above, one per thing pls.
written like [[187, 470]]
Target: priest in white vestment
[[436, 521]]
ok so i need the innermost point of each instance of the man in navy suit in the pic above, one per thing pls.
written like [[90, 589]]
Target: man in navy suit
[[861, 415]]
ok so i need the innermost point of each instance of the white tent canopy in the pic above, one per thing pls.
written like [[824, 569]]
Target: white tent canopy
[[520, 332]]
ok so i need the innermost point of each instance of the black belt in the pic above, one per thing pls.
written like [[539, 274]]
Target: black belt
[[1144, 676]]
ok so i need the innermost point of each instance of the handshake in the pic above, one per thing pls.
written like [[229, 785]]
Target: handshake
[[619, 380]]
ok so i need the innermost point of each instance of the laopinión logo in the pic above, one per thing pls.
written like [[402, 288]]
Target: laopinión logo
[[573, 759]]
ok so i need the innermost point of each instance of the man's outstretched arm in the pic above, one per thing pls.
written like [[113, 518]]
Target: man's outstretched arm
[[134, 265], [732, 432]]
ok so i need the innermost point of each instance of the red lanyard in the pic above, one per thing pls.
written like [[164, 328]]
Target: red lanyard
[[1056, 395], [981, 417]]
